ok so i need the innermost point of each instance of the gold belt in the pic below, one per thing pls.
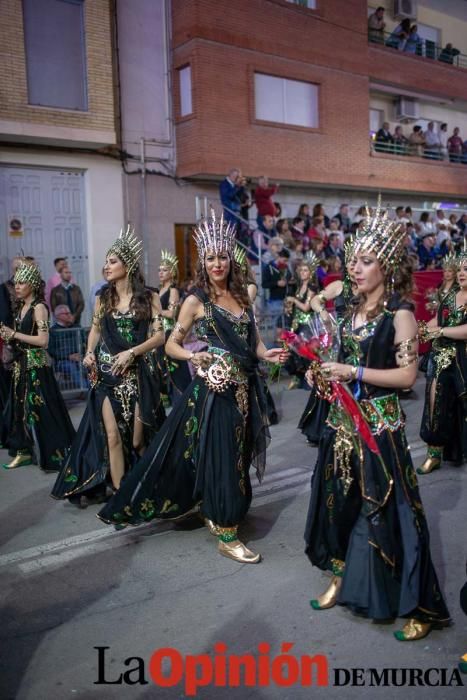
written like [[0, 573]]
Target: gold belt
[[222, 372]]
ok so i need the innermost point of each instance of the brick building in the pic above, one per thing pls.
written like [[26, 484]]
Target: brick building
[[57, 122]]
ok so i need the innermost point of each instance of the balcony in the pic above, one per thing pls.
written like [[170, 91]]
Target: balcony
[[417, 152], [422, 49]]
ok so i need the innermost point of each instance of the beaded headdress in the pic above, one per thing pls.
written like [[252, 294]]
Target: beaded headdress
[[28, 273], [214, 235], [170, 260], [312, 261], [128, 248], [380, 236]]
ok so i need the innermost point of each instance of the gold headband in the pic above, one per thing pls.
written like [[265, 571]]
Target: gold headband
[[170, 260], [380, 236]]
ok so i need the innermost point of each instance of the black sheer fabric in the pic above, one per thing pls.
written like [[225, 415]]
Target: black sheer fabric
[[87, 466], [204, 450]]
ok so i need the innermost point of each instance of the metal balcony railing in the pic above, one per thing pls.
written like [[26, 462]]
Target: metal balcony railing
[[424, 48], [407, 149]]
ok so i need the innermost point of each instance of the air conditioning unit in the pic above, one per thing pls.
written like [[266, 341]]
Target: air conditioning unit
[[405, 9], [406, 109]]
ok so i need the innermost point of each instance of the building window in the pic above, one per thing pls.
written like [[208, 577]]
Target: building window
[[186, 103], [310, 4], [286, 101], [55, 53]]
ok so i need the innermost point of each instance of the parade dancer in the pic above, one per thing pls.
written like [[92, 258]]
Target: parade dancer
[[298, 310], [37, 427], [123, 410], [202, 454], [445, 411], [176, 374], [365, 522]]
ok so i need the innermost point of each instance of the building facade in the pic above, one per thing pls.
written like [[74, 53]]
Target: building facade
[[60, 174], [161, 98]]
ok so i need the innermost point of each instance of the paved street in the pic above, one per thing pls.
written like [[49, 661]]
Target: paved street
[[70, 583]]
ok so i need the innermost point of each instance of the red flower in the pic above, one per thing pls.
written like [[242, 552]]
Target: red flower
[[445, 313]]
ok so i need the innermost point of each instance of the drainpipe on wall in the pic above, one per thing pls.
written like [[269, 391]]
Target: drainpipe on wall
[[144, 210]]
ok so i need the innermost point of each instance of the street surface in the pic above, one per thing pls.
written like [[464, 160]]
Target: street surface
[[70, 583]]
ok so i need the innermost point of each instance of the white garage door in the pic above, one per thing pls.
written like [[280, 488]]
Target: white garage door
[[51, 208]]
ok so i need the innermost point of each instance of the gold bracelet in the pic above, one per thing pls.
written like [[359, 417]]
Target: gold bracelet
[[132, 355]]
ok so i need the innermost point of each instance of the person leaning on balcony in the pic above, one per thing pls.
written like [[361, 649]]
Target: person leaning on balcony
[[432, 143], [455, 146], [399, 36], [376, 25], [417, 141], [401, 142], [413, 43], [448, 54], [384, 139]]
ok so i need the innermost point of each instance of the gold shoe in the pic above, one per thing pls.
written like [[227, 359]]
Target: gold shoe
[[329, 598], [237, 551], [21, 460], [413, 630], [433, 459], [429, 465], [212, 527]]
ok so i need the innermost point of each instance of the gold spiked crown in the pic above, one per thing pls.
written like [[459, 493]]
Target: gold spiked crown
[[170, 260], [312, 261], [214, 236], [29, 273], [450, 261], [128, 248], [381, 236]]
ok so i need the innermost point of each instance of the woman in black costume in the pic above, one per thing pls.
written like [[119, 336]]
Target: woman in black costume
[[123, 410], [365, 521], [444, 420], [299, 312], [203, 452], [37, 427], [176, 375]]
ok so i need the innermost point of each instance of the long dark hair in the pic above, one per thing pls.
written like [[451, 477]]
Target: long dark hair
[[235, 284], [141, 297], [398, 281], [38, 297]]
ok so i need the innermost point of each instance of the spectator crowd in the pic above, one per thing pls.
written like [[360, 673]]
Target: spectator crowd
[[280, 243], [434, 143]]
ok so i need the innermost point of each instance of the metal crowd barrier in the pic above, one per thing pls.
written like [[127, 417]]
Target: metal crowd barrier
[[67, 347]]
